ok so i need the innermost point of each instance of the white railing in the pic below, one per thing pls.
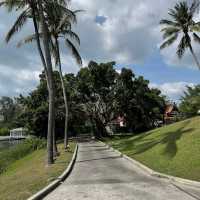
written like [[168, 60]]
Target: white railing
[[18, 133]]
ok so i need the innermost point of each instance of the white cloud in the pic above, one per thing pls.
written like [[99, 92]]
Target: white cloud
[[172, 90], [129, 35], [119, 71]]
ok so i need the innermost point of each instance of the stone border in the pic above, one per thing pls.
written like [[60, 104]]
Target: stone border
[[151, 172], [42, 193]]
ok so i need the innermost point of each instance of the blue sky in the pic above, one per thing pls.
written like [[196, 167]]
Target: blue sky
[[159, 72], [127, 32]]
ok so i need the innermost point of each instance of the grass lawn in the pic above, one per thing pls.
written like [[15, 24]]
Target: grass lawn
[[173, 149], [30, 174]]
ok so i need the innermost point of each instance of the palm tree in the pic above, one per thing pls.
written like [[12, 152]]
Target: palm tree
[[36, 10], [61, 28], [49, 71], [60, 24], [182, 24]]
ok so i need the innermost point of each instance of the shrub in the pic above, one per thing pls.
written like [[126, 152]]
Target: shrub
[[17, 152], [4, 131]]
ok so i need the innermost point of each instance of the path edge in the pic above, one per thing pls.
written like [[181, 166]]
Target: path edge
[[49, 188], [151, 172]]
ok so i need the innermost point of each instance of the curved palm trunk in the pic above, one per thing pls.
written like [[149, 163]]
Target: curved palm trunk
[[38, 43], [55, 149], [194, 56], [64, 96], [51, 117]]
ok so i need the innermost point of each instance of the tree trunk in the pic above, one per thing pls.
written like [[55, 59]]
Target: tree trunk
[[101, 129], [55, 149], [51, 117], [194, 56], [64, 96], [38, 42]]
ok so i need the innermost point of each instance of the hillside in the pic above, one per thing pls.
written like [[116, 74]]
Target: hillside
[[173, 149]]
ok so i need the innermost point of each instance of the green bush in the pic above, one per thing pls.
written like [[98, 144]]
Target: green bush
[[4, 131], [19, 151]]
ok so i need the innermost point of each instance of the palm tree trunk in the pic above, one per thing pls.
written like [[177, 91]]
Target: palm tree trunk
[[64, 96], [194, 56], [38, 41], [51, 117], [55, 149]]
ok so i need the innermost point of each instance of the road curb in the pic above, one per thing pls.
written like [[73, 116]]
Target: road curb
[[42, 193], [154, 173]]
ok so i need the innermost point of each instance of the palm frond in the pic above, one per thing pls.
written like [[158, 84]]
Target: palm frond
[[195, 5], [66, 18], [28, 39], [74, 51], [196, 38], [64, 10], [172, 12], [12, 4], [169, 23], [72, 35], [182, 47], [77, 11], [169, 41], [63, 26], [19, 23], [169, 31]]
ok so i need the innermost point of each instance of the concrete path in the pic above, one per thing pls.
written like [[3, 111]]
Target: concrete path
[[101, 174]]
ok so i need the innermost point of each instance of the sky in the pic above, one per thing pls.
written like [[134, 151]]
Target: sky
[[127, 32]]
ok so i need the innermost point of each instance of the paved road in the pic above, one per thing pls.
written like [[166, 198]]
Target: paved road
[[101, 174]]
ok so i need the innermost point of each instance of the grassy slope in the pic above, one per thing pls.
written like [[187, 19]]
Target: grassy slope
[[28, 175], [173, 149]]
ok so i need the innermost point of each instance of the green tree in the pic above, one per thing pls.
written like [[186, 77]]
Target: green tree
[[34, 114], [7, 108], [190, 101], [183, 25], [96, 89], [141, 105]]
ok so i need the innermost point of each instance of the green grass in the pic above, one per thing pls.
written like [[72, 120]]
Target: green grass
[[17, 152], [30, 174], [173, 149]]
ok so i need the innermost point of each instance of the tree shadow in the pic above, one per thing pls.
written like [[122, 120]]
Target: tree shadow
[[169, 138]]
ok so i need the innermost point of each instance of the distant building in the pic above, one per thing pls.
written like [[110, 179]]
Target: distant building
[[116, 125], [18, 133], [171, 113], [120, 121]]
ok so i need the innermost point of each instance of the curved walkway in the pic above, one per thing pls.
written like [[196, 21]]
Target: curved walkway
[[101, 174]]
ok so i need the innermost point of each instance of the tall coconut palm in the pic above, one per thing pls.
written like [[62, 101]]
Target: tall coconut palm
[[51, 118], [60, 24], [36, 11], [181, 25], [61, 28]]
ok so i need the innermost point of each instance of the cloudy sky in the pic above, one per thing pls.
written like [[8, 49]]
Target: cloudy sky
[[127, 32]]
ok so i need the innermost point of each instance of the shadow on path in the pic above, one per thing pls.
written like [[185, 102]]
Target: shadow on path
[[104, 158]]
